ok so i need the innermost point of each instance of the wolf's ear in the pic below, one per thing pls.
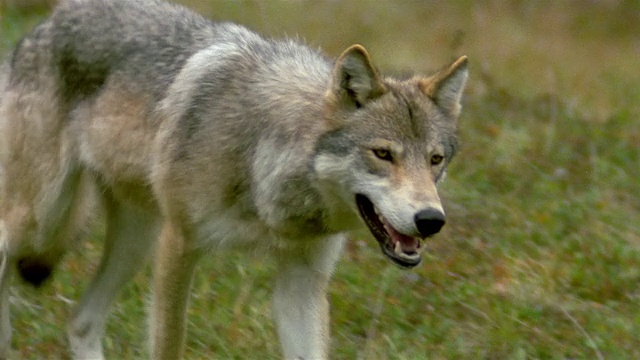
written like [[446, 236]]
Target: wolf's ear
[[447, 85], [355, 81]]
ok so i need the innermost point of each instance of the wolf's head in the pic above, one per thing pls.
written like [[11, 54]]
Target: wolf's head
[[390, 143]]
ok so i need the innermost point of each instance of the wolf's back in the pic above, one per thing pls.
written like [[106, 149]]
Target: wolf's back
[[144, 42]]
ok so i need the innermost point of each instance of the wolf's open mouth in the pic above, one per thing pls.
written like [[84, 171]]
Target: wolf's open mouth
[[400, 248]]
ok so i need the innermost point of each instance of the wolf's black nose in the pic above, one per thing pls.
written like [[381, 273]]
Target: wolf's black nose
[[429, 221]]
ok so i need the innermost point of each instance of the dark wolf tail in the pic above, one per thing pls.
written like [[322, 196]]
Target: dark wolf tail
[[34, 270]]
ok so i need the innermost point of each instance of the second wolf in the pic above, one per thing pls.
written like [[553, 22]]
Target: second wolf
[[207, 136]]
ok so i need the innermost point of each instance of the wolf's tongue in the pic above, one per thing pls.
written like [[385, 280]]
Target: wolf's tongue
[[408, 243]]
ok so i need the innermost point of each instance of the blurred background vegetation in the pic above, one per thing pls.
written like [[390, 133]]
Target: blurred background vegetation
[[540, 258]]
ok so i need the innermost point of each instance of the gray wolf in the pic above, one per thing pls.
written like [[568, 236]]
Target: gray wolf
[[192, 137]]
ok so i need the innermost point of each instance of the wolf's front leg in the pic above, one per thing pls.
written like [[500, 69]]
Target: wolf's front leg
[[173, 273], [300, 304]]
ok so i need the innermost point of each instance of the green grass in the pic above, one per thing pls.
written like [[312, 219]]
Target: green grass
[[540, 258]]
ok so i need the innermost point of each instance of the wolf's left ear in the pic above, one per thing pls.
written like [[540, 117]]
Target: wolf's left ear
[[446, 86], [355, 81]]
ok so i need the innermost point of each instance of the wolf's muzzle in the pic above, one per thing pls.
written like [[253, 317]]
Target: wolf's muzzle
[[429, 221]]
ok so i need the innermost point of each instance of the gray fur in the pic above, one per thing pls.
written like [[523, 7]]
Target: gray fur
[[208, 136]]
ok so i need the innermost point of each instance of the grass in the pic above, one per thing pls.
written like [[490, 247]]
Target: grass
[[540, 258]]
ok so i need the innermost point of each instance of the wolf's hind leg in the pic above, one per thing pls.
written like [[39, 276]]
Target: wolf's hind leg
[[131, 232], [33, 239]]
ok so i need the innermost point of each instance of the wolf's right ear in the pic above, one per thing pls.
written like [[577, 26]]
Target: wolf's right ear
[[355, 81]]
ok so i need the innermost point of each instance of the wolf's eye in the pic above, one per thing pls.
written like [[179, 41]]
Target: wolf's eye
[[383, 154], [436, 159]]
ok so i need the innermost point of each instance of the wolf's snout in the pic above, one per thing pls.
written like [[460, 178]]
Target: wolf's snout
[[429, 221]]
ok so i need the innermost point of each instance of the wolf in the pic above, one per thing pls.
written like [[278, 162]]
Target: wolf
[[192, 137]]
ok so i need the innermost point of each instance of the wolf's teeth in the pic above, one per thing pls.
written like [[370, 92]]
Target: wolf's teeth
[[398, 249], [375, 209]]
